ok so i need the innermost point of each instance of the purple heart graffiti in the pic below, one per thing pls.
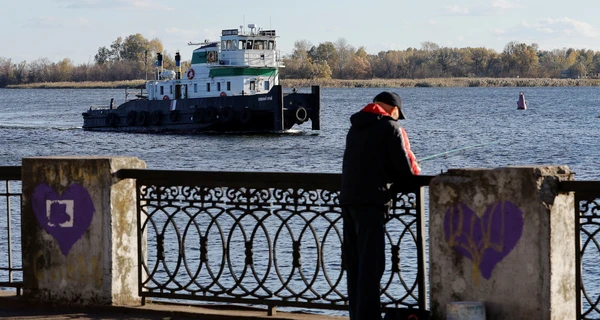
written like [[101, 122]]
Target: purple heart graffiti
[[486, 240], [65, 217]]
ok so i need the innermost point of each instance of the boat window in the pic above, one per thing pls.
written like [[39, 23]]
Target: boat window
[[258, 45], [218, 86], [249, 44], [242, 44], [170, 89], [228, 86], [223, 45], [271, 45], [162, 90], [252, 85], [207, 87], [195, 88], [267, 85], [233, 44], [228, 44]]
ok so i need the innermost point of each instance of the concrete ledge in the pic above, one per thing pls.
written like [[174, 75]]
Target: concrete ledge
[[19, 307]]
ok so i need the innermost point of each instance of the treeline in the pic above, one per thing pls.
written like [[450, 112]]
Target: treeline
[[340, 60], [133, 57]]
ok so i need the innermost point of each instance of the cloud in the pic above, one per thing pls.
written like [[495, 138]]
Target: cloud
[[457, 10], [559, 27], [553, 33], [497, 7], [115, 5]]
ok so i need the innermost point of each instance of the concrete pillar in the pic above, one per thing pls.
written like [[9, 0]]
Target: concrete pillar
[[504, 237], [79, 238]]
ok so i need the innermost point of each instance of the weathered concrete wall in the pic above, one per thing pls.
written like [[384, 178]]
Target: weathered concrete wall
[[504, 237], [79, 238]]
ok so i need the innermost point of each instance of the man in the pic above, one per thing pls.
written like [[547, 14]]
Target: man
[[377, 155]]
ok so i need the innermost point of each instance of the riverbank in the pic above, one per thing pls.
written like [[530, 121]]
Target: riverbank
[[338, 83]]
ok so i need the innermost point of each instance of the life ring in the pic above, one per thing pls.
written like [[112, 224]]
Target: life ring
[[301, 115], [211, 57], [131, 116], [223, 94], [191, 73], [165, 97]]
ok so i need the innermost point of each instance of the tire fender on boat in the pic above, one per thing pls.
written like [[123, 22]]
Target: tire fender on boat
[[155, 118], [142, 118], [199, 115], [131, 117], [223, 94], [210, 114], [166, 97], [191, 73], [245, 116], [226, 114]]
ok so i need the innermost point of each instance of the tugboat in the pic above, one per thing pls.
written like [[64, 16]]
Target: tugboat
[[231, 86]]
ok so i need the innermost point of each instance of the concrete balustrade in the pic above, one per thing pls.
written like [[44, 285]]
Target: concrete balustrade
[[504, 237], [79, 238]]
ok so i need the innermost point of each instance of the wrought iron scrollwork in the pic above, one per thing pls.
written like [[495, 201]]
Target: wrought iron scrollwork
[[264, 244], [589, 255]]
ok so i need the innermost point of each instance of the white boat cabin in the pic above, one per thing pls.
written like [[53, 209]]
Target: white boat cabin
[[244, 62]]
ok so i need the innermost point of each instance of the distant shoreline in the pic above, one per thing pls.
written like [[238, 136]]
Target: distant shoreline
[[338, 83]]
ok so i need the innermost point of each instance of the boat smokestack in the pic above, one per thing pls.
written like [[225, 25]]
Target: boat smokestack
[[159, 64], [178, 65]]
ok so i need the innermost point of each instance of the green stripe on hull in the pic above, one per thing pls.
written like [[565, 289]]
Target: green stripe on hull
[[228, 72]]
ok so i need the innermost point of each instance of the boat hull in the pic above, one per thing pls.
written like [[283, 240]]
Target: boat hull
[[274, 111]]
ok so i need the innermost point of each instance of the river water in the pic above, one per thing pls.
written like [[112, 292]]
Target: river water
[[560, 127]]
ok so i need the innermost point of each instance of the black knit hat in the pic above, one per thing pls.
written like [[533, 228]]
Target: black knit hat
[[392, 99]]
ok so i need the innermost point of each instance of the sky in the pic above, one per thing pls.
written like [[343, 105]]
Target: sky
[[76, 29]]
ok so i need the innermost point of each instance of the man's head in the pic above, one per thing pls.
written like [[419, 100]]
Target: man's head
[[391, 103]]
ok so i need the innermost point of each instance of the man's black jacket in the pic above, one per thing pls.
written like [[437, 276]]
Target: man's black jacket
[[377, 154]]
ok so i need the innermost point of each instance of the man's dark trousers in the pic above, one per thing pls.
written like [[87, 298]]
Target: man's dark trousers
[[364, 258]]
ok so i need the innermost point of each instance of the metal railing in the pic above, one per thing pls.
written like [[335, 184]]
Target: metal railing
[[265, 238], [587, 254], [10, 223]]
